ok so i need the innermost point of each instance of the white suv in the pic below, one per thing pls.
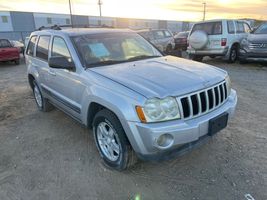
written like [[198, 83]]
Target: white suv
[[217, 38]]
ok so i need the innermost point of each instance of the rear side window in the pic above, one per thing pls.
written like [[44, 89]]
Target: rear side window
[[231, 27], [167, 34], [159, 34], [211, 28], [31, 46], [5, 44], [59, 48], [42, 47], [240, 27]]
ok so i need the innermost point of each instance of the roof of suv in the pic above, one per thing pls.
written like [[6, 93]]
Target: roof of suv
[[82, 31], [216, 20]]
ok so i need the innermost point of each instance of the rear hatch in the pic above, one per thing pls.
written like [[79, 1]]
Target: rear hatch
[[214, 31]]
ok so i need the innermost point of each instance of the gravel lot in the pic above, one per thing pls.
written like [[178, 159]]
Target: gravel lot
[[50, 156]]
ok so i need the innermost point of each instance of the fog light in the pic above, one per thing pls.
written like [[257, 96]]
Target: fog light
[[165, 140]]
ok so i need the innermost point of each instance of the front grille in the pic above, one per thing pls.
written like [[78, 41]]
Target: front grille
[[258, 46], [202, 102]]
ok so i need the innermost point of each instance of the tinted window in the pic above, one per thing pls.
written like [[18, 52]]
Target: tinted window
[[59, 48], [231, 27], [211, 28], [167, 34], [158, 34], [262, 29], [5, 44], [42, 47], [31, 46], [247, 28], [240, 27]]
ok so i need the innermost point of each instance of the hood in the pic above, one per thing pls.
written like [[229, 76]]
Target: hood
[[164, 76], [257, 38]]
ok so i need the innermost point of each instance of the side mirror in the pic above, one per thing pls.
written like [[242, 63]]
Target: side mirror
[[61, 63]]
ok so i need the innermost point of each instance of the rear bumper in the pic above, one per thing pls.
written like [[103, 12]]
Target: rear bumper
[[186, 134], [207, 52], [245, 54]]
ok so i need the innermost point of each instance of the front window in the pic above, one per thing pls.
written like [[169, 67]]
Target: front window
[[261, 30], [111, 48]]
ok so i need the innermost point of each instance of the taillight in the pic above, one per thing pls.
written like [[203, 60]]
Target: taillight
[[223, 42]]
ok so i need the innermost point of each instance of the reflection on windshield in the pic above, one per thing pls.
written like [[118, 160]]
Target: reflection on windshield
[[112, 48]]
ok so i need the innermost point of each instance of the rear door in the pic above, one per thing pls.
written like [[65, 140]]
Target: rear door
[[242, 30], [7, 51]]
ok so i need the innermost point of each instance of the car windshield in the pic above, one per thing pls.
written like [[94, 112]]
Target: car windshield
[[112, 48], [261, 30]]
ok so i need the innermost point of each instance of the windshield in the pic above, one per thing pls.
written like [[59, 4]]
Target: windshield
[[112, 48], [261, 30]]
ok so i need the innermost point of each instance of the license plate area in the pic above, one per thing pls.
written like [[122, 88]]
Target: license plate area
[[217, 124]]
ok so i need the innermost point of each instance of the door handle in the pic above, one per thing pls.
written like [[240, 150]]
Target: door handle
[[52, 72]]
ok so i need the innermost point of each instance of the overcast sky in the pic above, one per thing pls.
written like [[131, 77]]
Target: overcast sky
[[190, 10]]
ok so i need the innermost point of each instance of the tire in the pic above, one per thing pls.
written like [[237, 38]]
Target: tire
[[168, 49], [196, 58], [212, 57], [233, 55], [41, 102], [198, 40], [17, 62], [108, 132]]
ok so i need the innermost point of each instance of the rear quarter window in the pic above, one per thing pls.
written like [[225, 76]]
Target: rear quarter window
[[211, 28], [42, 47], [231, 27], [31, 45]]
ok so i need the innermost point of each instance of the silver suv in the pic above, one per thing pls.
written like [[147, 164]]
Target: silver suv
[[217, 38], [137, 102]]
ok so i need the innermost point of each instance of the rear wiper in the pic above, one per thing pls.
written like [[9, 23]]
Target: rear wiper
[[141, 57]]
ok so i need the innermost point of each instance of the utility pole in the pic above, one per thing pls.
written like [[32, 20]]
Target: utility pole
[[100, 10], [71, 21], [204, 11]]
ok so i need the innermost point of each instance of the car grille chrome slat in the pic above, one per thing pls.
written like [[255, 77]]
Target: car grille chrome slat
[[258, 46], [201, 102]]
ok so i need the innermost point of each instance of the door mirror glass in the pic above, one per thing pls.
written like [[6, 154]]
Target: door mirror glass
[[61, 63]]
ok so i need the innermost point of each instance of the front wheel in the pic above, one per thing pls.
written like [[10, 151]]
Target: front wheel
[[112, 142], [233, 55], [42, 103]]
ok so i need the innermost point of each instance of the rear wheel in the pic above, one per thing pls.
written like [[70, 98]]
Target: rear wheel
[[197, 58], [42, 103], [17, 62], [112, 142], [233, 55]]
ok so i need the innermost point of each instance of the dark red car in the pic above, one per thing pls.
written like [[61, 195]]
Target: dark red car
[[181, 41], [8, 52]]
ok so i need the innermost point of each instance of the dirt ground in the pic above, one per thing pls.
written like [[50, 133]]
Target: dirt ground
[[50, 156]]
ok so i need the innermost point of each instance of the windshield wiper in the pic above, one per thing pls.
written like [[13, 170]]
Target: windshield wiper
[[106, 62], [141, 57]]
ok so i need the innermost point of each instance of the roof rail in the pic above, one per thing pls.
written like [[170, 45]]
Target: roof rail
[[59, 27]]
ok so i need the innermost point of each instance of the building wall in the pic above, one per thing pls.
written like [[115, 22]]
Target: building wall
[[22, 21], [97, 21], [48, 19], [80, 20], [5, 22]]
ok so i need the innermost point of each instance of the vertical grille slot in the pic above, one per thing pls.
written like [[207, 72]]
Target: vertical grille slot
[[225, 90], [221, 93], [216, 96], [195, 104], [203, 101], [210, 95], [185, 105]]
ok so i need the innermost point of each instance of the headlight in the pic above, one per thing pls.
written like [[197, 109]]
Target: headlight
[[156, 110], [228, 85], [245, 42]]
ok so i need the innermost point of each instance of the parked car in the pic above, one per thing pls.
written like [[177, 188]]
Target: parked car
[[8, 52], [161, 38], [18, 44], [137, 101], [217, 38], [254, 47], [180, 40]]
